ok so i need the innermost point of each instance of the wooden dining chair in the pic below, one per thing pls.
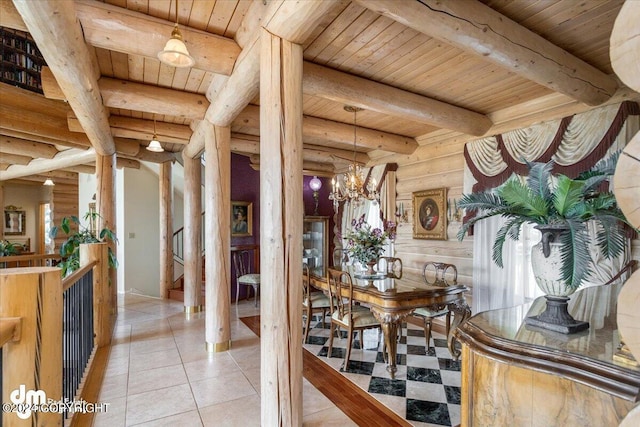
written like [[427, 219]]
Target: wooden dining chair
[[345, 314], [312, 301], [436, 274], [390, 265], [340, 256], [245, 274]]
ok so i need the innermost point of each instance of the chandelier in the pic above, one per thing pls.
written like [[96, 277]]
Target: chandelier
[[353, 189]]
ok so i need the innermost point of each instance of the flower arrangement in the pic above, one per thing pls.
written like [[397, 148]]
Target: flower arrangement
[[365, 244]]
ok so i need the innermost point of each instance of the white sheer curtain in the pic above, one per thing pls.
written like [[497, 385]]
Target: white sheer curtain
[[495, 287]]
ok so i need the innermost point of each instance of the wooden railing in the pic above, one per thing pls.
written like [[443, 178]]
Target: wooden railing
[[178, 241], [40, 260], [62, 325]]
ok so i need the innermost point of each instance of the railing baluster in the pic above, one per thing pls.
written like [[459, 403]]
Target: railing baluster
[[78, 333]]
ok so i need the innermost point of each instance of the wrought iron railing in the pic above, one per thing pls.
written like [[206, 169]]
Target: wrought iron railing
[[77, 331]]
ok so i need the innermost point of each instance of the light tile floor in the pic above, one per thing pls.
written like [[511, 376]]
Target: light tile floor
[[159, 373]]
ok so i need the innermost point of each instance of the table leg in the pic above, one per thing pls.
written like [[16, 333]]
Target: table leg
[[461, 312], [390, 331], [389, 323]]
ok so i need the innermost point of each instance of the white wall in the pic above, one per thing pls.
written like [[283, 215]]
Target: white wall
[[27, 198], [138, 224]]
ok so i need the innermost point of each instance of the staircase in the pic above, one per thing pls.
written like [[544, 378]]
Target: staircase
[[177, 290]]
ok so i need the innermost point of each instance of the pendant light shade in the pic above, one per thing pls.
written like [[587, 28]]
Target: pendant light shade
[[154, 144], [175, 52], [48, 182]]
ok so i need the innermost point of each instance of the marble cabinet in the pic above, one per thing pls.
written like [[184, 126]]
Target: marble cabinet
[[515, 374]]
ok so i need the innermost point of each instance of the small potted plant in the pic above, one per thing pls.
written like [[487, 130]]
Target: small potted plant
[[7, 248], [70, 249], [560, 207]]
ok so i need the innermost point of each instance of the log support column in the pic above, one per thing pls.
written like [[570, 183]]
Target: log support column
[[281, 221], [166, 230], [106, 205], [191, 238], [217, 154]]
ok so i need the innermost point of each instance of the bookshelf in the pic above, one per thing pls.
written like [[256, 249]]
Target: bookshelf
[[21, 60]]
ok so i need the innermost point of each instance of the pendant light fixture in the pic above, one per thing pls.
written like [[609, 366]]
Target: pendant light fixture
[[48, 182], [353, 188], [175, 52], [154, 145]]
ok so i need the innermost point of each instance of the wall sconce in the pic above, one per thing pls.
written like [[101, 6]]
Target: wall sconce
[[454, 213], [315, 184], [401, 214]]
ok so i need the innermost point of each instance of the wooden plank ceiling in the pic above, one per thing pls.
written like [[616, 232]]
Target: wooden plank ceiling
[[355, 42]]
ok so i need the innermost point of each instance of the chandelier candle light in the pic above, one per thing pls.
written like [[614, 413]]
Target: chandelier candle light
[[353, 188]]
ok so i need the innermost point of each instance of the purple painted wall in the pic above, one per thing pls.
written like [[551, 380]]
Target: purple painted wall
[[245, 187]]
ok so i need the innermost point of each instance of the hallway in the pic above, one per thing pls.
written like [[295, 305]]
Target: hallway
[[159, 374]]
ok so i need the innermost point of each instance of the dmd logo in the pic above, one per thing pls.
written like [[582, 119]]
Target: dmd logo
[[27, 401]]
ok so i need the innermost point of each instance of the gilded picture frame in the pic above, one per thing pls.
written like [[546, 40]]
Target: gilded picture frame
[[241, 219], [430, 214]]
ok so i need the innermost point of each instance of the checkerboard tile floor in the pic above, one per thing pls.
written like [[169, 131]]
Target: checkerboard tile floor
[[426, 388]]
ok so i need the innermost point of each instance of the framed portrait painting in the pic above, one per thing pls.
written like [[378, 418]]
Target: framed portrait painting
[[241, 219], [430, 214], [14, 221]]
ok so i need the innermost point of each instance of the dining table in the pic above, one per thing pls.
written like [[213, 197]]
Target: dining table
[[391, 299]]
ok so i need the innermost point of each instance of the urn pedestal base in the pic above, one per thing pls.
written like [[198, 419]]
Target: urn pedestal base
[[556, 317]]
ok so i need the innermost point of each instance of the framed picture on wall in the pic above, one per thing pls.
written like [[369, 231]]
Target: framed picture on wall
[[14, 221], [241, 219], [430, 214]]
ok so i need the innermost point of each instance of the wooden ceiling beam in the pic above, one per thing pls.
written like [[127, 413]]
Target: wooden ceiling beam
[[64, 159], [140, 129], [249, 144], [39, 138], [40, 178], [115, 28], [476, 28], [360, 92], [328, 130], [292, 21], [56, 30], [9, 16], [88, 169], [33, 123], [11, 145], [15, 159], [152, 99]]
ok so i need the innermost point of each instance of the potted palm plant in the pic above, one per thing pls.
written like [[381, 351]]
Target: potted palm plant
[[560, 207]]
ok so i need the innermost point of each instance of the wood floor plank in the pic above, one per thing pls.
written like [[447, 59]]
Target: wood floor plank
[[356, 403]]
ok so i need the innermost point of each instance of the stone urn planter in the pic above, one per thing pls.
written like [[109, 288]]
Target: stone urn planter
[[547, 265]]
